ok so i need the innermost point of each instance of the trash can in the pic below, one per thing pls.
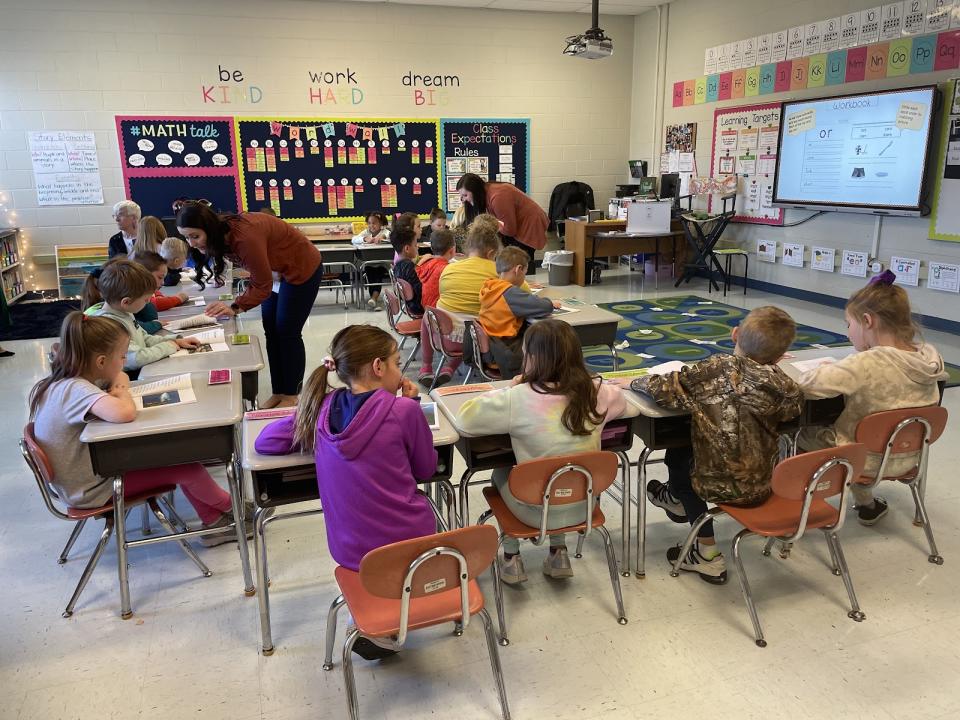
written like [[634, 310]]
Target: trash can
[[559, 265]]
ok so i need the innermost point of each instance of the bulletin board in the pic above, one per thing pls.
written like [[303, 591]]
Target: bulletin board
[[166, 157], [311, 169], [945, 215], [496, 149], [745, 143]]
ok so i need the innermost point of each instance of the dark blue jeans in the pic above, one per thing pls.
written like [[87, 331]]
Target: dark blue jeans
[[679, 462], [284, 315]]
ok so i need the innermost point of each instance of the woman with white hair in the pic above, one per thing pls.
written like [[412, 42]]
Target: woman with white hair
[[126, 213]]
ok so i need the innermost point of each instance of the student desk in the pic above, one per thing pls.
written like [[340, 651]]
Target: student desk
[[285, 479], [661, 429], [587, 240], [494, 451], [593, 326], [204, 431], [244, 359]]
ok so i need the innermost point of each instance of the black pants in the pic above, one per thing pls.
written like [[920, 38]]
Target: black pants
[[284, 314], [375, 274], [679, 462], [507, 240]]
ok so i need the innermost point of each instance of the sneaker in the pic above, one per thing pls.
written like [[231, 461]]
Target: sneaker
[[660, 495], [228, 534], [373, 648], [425, 377], [512, 571], [870, 514], [557, 565], [713, 571], [371, 305], [443, 377]]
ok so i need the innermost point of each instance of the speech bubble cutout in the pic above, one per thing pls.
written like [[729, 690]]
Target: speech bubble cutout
[[175, 146], [210, 145], [137, 160], [145, 145], [164, 159], [191, 159], [219, 159]]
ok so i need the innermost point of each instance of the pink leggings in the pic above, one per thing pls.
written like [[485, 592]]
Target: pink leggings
[[208, 499], [427, 349]]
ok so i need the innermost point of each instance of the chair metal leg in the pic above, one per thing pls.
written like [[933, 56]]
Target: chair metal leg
[[641, 549], [494, 654], [91, 564], [234, 475], [768, 546], [348, 680], [174, 516], [834, 563], [413, 354], [579, 553], [691, 538], [624, 514], [119, 519], [498, 595], [466, 380], [934, 556], [145, 521], [746, 267], [260, 517], [191, 553], [614, 575], [331, 635], [443, 361], [464, 490], [745, 588], [855, 612], [74, 534]]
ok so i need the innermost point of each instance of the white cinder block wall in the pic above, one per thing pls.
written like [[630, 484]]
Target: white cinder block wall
[[75, 64], [695, 25]]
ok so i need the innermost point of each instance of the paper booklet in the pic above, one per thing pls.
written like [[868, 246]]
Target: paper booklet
[[661, 369], [194, 321], [563, 310], [177, 390], [211, 341]]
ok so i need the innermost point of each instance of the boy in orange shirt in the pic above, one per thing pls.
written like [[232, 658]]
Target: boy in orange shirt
[[504, 308]]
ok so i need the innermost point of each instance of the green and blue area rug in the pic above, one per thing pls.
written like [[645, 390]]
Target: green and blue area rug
[[689, 328]]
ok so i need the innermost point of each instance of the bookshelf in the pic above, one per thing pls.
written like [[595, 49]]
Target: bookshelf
[[74, 263], [11, 270]]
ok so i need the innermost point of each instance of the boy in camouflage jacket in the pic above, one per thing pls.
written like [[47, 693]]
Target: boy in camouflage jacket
[[736, 404]]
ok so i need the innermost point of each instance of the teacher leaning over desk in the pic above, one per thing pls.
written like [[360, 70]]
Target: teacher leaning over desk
[[264, 245]]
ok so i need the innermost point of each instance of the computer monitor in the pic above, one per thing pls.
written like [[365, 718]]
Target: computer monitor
[[670, 185], [638, 168]]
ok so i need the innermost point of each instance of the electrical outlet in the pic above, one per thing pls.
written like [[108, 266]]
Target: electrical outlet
[[876, 266]]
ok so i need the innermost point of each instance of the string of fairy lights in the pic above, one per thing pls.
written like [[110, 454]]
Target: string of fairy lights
[[9, 220]]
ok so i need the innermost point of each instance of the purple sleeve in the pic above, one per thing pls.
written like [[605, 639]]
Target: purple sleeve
[[276, 438], [423, 458]]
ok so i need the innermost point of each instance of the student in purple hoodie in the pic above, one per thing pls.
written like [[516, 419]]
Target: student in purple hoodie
[[371, 448]]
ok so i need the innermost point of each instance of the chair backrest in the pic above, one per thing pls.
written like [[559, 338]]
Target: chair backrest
[[563, 480], [819, 474], [393, 306], [42, 470], [404, 290], [440, 324], [901, 432], [434, 563], [481, 346]]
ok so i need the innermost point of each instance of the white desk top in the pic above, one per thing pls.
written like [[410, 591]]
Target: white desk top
[[450, 405], [210, 293], [216, 406], [239, 358], [837, 353], [613, 234], [255, 462], [584, 315]]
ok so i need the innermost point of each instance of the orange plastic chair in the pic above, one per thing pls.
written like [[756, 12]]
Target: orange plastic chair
[[404, 328], [905, 432], [405, 295], [549, 482], [39, 464], [481, 346], [440, 324], [800, 487], [411, 585]]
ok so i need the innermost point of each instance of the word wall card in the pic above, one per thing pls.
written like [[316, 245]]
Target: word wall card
[[310, 169], [745, 144]]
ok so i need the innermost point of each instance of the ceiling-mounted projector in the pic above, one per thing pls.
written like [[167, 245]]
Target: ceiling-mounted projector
[[592, 44]]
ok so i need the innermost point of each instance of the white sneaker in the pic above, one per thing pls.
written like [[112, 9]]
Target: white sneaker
[[512, 571], [713, 571], [557, 565]]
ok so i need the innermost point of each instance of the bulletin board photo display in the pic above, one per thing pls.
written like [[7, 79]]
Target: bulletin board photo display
[[312, 169], [496, 149], [745, 144]]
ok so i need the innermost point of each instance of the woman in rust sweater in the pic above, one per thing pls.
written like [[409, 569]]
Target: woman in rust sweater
[[267, 247], [523, 223]]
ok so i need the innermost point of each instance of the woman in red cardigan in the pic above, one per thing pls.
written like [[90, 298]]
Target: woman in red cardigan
[[267, 247], [523, 223]]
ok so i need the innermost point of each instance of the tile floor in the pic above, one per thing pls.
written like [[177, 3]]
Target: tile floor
[[191, 649]]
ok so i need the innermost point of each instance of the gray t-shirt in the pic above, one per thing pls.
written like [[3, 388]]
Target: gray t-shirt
[[60, 419]]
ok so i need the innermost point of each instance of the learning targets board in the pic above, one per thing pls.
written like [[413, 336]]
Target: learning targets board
[[745, 144], [310, 169]]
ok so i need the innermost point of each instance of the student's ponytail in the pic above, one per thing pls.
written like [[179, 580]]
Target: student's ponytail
[[82, 338], [90, 295], [352, 350]]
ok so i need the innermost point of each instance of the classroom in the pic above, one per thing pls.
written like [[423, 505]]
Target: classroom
[[582, 359]]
